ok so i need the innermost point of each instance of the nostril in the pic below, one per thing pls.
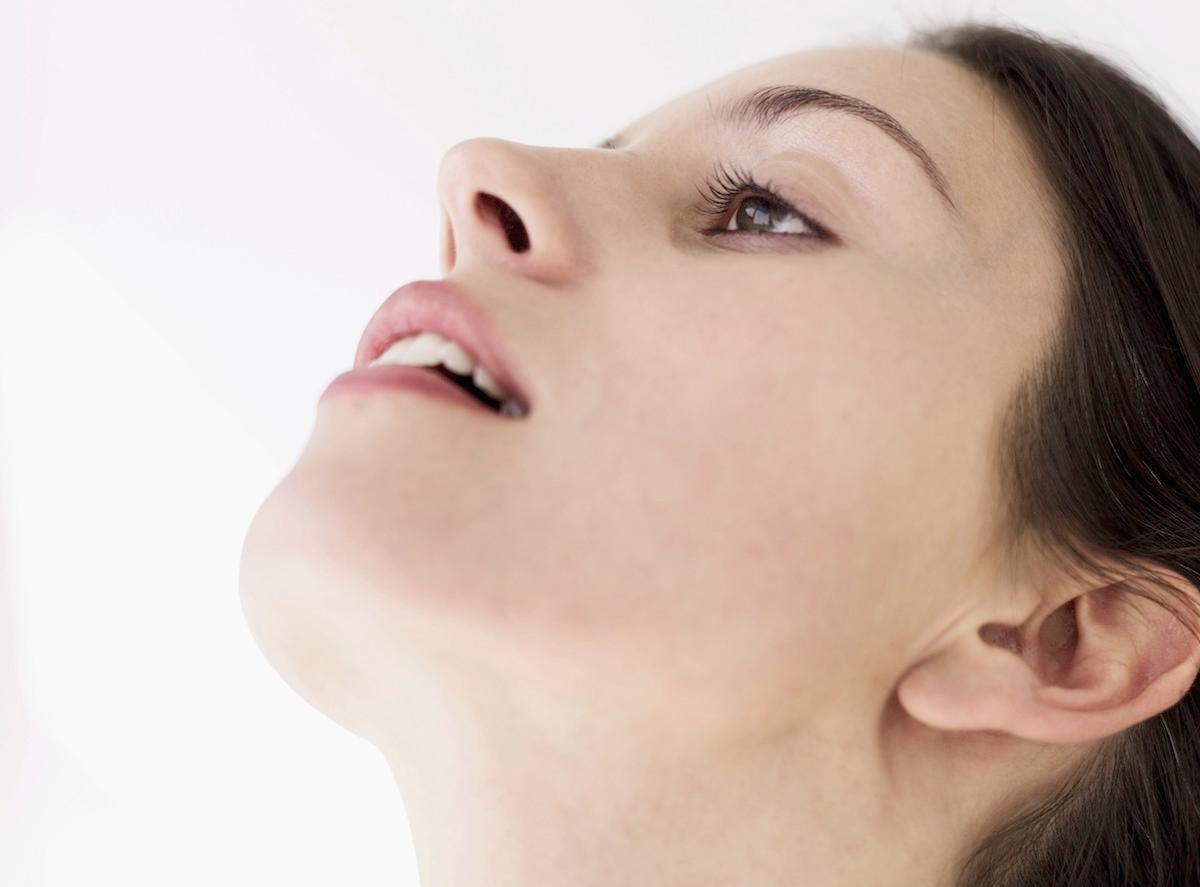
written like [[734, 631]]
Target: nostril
[[514, 228]]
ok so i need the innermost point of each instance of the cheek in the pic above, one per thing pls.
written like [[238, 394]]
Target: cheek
[[824, 447], [885, 442]]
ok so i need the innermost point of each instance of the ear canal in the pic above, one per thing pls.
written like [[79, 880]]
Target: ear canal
[[1058, 642], [1002, 636]]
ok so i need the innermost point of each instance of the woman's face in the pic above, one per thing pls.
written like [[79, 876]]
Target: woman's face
[[759, 471]]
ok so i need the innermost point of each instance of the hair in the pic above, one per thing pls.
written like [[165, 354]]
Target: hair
[[1100, 452]]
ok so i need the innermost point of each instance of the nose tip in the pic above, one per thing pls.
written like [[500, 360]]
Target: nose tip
[[499, 206]]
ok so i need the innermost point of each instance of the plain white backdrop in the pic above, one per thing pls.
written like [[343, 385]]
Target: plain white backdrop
[[201, 204]]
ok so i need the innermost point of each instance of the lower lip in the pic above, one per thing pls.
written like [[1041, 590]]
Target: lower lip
[[403, 378]]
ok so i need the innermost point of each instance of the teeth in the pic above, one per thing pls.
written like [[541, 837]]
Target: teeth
[[422, 349], [483, 379], [430, 349], [456, 359]]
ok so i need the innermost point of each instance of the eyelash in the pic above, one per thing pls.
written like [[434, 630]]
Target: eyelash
[[726, 183]]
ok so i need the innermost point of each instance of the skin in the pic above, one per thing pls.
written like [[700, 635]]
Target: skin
[[711, 614]]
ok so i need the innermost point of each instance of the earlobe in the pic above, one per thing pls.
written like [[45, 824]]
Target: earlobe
[[1101, 662]]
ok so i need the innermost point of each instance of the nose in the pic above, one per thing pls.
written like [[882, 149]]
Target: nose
[[503, 205]]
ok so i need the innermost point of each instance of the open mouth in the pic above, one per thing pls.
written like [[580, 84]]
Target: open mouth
[[426, 349], [467, 385]]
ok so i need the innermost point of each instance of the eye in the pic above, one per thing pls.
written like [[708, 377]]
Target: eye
[[763, 206]]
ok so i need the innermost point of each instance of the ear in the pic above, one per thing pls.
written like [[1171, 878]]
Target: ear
[[1092, 666]]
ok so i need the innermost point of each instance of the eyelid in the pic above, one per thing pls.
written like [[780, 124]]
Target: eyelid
[[771, 192], [729, 185], [809, 206], [830, 194]]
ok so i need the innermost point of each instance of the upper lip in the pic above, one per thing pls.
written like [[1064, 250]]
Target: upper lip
[[445, 308]]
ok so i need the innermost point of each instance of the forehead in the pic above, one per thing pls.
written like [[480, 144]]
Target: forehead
[[962, 123]]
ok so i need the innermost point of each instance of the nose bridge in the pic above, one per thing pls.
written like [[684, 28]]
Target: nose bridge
[[505, 204]]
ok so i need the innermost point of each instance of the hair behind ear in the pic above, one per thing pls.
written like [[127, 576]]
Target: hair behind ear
[[1100, 450]]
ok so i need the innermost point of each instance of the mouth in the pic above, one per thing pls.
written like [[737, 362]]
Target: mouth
[[502, 406], [427, 353], [436, 382], [436, 326]]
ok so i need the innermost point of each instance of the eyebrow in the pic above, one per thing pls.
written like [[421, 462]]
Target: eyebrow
[[771, 106]]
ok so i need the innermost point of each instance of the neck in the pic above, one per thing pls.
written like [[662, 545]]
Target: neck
[[499, 796]]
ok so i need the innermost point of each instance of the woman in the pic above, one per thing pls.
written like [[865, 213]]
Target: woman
[[840, 523]]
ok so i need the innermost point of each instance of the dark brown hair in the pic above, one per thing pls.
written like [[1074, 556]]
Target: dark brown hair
[[1101, 457]]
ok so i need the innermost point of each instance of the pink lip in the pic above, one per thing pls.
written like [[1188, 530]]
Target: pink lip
[[397, 376], [441, 307]]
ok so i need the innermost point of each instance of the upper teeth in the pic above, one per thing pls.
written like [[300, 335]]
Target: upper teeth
[[430, 349]]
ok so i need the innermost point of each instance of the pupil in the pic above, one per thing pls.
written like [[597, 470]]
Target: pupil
[[759, 216]]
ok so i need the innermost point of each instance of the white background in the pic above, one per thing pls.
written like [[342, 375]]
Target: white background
[[200, 206]]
